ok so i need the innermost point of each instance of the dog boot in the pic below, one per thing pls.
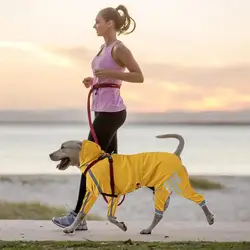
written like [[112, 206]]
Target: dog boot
[[67, 220]]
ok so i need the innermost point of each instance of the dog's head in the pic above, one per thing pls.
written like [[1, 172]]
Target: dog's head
[[68, 154]]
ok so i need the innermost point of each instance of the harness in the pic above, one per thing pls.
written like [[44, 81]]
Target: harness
[[104, 155]]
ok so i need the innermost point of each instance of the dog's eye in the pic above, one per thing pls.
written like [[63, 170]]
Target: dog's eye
[[62, 147]]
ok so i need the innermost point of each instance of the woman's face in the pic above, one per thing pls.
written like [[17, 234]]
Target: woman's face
[[101, 26]]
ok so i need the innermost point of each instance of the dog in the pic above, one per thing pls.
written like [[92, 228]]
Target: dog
[[162, 170]]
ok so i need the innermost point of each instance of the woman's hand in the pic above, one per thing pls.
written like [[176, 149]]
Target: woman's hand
[[88, 81]]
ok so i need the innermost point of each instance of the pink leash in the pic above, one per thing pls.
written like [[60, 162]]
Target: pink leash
[[97, 86]]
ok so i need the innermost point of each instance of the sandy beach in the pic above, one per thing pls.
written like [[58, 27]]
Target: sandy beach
[[30, 230]]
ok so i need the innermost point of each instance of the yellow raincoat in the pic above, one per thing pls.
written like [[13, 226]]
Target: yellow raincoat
[[161, 170]]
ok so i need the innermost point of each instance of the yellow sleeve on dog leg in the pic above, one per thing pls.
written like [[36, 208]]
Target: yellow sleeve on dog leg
[[160, 198], [112, 205], [88, 202]]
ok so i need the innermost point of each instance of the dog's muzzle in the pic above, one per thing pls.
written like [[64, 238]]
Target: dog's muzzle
[[63, 164]]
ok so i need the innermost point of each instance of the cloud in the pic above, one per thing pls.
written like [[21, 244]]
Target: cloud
[[177, 86], [38, 51], [78, 54], [227, 76], [166, 86]]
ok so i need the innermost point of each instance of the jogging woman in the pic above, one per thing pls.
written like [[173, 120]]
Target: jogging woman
[[108, 66]]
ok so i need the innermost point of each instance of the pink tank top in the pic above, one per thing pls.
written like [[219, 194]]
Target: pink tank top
[[106, 99]]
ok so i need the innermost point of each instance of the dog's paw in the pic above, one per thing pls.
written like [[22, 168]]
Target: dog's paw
[[122, 226], [145, 231], [82, 228], [210, 219], [68, 230]]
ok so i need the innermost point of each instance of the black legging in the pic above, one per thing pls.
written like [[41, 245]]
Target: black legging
[[105, 125]]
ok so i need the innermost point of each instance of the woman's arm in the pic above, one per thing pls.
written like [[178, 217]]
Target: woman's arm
[[123, 56]]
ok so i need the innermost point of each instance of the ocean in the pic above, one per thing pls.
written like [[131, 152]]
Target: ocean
[[209, 150], [219, 153]]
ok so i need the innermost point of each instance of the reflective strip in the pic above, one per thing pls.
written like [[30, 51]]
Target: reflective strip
[[95, 181], [175, 184], [172, 184], [85, 202], [177, 178], [203, 203], [168, 186], [158, 212], [111, 208]]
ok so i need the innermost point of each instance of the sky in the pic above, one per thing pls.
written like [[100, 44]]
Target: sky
[[195, 54]]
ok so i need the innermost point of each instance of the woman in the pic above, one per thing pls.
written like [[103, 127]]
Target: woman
[[108, 66]]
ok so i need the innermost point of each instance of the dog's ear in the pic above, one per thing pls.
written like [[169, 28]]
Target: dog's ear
[[79, 145]]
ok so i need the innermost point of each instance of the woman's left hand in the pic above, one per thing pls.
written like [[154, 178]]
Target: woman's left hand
[[104, 73]]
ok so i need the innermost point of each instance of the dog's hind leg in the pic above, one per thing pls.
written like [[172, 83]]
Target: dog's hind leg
[[161, 199], [182, 186]]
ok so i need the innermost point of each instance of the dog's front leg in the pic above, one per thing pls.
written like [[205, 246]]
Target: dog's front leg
[[162, 199], [120, 224], [70, 229], [112, 206], [88, 202]]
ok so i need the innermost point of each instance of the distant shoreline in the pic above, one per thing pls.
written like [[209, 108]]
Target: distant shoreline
[[173, 118], [131, 123]]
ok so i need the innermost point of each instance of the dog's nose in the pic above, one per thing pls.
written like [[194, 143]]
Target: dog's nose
[[50, 155]]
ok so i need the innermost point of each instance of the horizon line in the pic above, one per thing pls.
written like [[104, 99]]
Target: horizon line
[[141, 123], [131, 111]]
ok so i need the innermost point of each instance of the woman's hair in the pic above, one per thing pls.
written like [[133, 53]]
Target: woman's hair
[[122, 20]]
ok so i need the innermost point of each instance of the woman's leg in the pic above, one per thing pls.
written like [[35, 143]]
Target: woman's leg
[[113, 145], [68, 219], [105, 126], [81, 194]]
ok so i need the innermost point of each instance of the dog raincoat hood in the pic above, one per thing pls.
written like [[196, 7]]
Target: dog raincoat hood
[[90, 151]]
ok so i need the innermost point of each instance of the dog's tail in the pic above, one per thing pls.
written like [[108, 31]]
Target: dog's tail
[[179, 138]]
